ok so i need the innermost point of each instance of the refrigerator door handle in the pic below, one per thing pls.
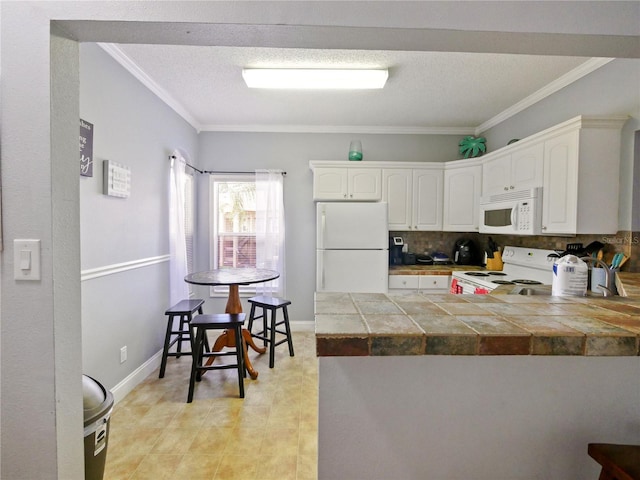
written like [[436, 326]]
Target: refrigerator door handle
[[320, 272], [324, 226]]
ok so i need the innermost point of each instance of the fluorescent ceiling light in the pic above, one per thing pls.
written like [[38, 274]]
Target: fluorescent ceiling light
[[314, 78]]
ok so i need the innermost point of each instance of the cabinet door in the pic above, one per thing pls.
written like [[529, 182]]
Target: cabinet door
[[427, 199], [405, 282], [526, 167], [397, 188], [434, 282], [496, 175], [365, 183], [560, 190], [330, 183], [462, 199]]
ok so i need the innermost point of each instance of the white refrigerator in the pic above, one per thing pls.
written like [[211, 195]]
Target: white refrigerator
[[352, 242]]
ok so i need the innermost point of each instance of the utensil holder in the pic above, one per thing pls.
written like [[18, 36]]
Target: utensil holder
[[598, 278], [495, 263]]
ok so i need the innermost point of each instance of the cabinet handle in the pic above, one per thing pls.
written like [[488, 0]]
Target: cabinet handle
[[345, 195], [544, 228], [351, 195], [506, 189], [511, 187]]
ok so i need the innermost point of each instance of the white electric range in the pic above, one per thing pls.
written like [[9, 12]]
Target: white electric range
[[521, 266]]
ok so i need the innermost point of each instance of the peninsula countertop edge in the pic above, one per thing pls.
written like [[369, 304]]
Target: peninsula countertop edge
[[413, 323]]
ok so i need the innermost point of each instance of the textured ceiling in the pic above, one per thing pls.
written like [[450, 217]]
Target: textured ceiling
[[425, 90]]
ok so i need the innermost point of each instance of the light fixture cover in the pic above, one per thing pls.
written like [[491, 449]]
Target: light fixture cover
[[314, 78]]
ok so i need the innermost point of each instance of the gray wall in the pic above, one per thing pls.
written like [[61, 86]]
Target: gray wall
[[42, 411], [292, 152], [125, 307], [613, 89]]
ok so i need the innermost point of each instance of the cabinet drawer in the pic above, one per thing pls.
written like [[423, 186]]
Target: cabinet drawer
[[434, 282], [404, 281]]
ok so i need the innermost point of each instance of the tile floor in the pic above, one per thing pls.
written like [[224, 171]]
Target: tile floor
[[270, 434]]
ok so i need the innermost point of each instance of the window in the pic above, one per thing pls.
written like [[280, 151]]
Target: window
[[233, 201]]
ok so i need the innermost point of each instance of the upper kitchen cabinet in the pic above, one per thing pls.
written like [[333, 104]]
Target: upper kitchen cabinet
[[414, 197], [462, 181], [581, 176], [518, 169], [346, 183]]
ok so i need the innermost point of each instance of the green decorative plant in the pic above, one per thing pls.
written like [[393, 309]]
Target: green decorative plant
[[472, 146]]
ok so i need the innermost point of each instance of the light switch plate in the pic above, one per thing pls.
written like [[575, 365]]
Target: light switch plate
[[26, 259]]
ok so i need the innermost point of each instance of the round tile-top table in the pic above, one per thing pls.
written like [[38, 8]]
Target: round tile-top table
[[233, 277]]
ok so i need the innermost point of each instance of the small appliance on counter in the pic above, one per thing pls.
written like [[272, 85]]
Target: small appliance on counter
[[408, 258], [464, 252], [395, 250], [424, 259], [440, 258]]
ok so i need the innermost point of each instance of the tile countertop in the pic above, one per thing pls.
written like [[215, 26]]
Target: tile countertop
[[430, 269], [410, 323]]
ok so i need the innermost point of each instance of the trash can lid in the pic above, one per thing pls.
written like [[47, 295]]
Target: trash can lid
[[98, 401], [93, 393]]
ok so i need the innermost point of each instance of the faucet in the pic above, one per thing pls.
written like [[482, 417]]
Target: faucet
[[606, 292]]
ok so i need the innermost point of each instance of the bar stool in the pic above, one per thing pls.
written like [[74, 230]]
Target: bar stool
[[268, 332], [185, 310], [222, 321], [619, 462]]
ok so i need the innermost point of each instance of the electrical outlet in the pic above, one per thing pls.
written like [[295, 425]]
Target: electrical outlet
[[123, 354]]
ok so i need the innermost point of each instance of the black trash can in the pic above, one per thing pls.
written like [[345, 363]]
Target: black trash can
[[98, 405]]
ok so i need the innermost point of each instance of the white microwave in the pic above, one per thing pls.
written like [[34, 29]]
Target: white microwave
[[512, 213]]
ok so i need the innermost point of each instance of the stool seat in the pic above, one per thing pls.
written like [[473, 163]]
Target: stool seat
[[273, 302], [184, 309], [619, 462], [223, 321], [269, 330]]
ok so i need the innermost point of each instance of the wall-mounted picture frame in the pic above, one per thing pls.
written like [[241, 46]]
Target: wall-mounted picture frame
[[86, 148]]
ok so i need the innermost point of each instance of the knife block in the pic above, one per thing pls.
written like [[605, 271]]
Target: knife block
[[495, 263]]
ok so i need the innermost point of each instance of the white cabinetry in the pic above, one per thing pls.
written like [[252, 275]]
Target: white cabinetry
[[519, 169], [397, 191], [414, 197], [461, 196], [581, 176], [343, 183], [422, 283]]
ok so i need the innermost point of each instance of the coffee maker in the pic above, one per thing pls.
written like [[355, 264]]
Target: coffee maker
[[395, 250]]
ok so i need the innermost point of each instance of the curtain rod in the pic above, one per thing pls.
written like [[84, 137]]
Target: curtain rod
[[173, 157], [215, 172]]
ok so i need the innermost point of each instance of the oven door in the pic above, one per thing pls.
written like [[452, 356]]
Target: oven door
[[463, 287]]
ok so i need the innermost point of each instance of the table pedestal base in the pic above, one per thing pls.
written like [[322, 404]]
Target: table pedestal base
[[228, 337]]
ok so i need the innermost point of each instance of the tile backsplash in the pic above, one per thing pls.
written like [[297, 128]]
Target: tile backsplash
[[623, 241]]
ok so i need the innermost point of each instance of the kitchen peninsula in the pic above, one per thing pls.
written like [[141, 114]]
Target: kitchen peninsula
[[475, 386]]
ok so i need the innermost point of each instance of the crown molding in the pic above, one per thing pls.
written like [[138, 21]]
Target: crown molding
[[363, 129], [129, 65], [561, 82], [570, 77]]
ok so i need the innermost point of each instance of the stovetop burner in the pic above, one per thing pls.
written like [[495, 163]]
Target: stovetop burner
[[520, 281], [497, 274], [502, 282], [476, 274]]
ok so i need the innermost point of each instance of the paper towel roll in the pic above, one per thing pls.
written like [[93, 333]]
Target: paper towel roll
[[570, 275]]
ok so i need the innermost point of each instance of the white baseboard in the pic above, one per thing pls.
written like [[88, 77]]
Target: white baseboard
[[136, 377], [150, 366]]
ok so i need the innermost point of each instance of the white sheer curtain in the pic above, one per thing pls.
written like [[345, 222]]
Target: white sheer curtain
[[270, 229], [178, 288]]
